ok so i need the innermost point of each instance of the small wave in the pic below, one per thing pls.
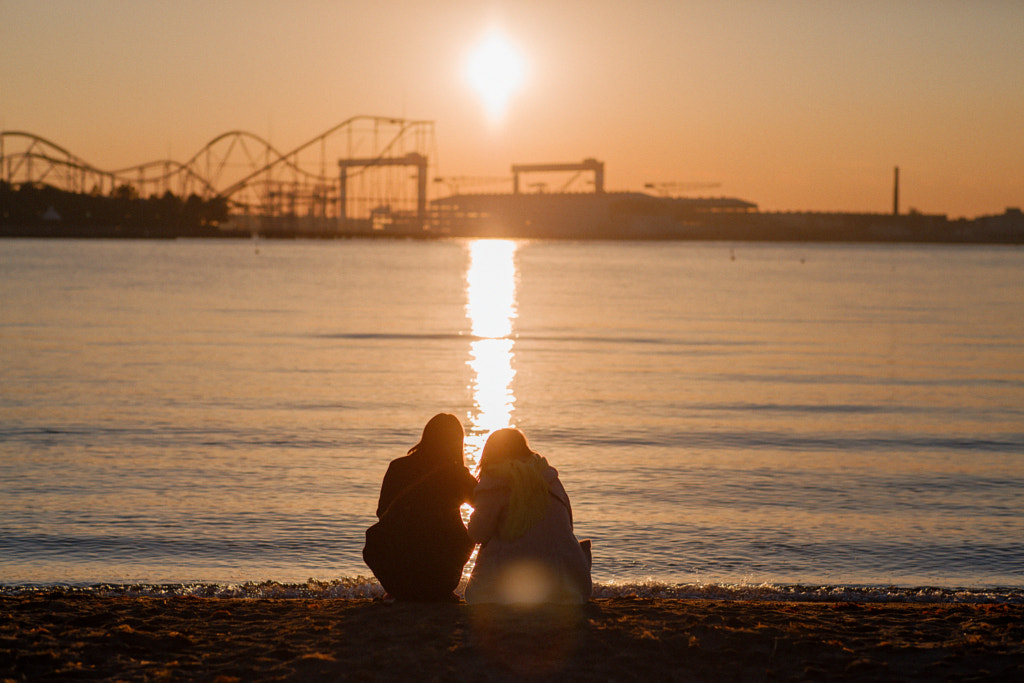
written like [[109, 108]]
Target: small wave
[[361, 587], [1012, 442], [575, 340], [396, 336], [350, 588], [800, 593]]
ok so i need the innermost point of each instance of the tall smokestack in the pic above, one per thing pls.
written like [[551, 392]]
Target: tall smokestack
[[896, 192]]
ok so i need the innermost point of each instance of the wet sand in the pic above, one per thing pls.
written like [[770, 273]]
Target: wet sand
[[64, 636]]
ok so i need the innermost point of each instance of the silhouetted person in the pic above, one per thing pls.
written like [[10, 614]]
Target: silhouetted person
[[523, 521], [418, 548]]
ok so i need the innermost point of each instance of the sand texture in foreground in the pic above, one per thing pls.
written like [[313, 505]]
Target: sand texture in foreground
[[60, 637]]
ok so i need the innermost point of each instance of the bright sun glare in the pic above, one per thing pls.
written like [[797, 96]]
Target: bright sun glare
[[496, 70], [491, 308]]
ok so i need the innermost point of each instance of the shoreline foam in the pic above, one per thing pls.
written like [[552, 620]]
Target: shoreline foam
[[361, 587]]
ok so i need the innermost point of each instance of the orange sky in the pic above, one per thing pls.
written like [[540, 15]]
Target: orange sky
[[793, 104]]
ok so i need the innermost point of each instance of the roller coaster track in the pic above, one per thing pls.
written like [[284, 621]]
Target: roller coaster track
[[254, 176]]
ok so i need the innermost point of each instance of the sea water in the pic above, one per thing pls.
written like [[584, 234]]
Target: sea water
[[801, 420]]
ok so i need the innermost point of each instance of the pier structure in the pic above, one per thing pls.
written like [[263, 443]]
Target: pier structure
[[896, 191], [592, 165], [352, 176], [354, 179], [27, 158], [384, 216]]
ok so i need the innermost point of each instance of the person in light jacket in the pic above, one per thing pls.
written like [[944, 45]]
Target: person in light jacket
[[419, 546], [522, 520]]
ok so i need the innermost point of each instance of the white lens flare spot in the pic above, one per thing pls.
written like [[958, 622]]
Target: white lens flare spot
[[525, 583], [496, 70]]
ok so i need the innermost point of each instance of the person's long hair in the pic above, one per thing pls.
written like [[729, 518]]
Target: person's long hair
[[503, 446], [507, 455], [442, 440]]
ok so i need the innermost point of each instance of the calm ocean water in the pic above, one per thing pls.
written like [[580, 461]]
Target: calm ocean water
[[790, 419]]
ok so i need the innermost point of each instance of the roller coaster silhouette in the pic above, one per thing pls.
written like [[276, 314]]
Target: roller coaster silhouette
[[352, 177]]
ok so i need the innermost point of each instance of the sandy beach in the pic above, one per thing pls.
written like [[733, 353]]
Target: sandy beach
[[61, 636]]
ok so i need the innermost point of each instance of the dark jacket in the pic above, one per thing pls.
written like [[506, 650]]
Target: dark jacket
[[418, 548]]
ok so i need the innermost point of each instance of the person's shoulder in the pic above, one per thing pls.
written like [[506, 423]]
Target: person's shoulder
[[408, 458], [401, 471], [406, 462], [490, 483], [464, 472], [454, 473]]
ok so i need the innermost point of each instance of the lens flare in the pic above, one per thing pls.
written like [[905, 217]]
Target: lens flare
[[526, 583]]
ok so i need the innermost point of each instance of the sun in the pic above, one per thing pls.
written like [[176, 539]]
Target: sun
[[496, 70]]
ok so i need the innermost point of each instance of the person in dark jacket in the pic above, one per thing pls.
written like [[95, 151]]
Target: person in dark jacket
[[419, 546]]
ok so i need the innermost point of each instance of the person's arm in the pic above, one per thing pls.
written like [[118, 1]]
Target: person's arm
[[558, 491], [488, 504], [389, 488], [467, 486]]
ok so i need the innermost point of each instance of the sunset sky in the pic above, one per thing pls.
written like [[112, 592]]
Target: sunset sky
[[792, 104]]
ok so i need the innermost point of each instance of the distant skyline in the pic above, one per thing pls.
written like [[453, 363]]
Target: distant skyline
[[793, 104]]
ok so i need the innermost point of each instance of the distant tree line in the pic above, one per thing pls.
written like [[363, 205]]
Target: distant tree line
[[32, 204]]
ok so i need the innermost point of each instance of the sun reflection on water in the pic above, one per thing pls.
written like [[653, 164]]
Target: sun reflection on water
[[491, 309]]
